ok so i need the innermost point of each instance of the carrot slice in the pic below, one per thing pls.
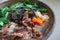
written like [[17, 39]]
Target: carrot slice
[[37, 21]]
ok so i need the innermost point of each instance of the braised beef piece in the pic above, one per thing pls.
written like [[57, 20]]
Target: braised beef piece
[[20, 33], [18, 38]]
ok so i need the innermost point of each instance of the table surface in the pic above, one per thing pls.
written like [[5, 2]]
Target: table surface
[[55, 6]]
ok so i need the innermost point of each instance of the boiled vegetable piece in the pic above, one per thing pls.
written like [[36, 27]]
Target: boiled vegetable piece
[[42, 10], [14, 6], [37, 21], [38, 14], [45, 17], [3, 21]]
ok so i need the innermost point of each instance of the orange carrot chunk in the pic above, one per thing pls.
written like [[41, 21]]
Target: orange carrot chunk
[[37, 21]]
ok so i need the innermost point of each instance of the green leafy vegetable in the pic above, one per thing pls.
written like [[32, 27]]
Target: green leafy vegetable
[[43, 10], [6, 15], [4, 11], [3, 21], [3, 16], [18, 11], [18, 4]]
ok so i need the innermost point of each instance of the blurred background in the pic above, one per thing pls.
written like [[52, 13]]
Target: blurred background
[[55, 6]]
